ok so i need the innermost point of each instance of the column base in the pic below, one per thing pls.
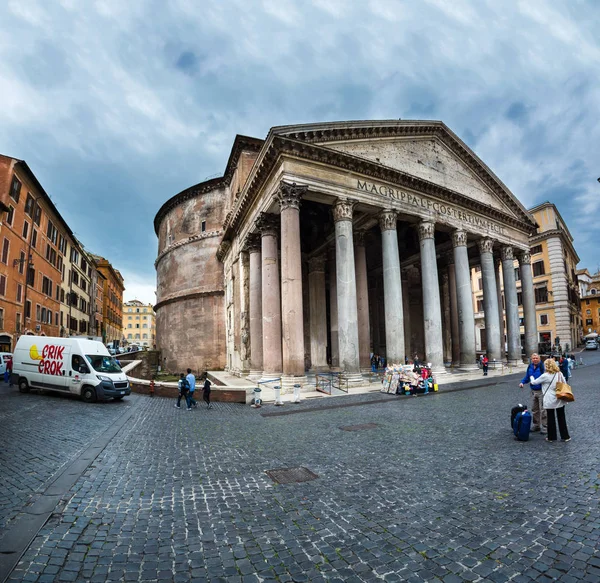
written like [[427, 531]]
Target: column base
[[288, 382], [464, 367], [355, 379], [255, 375], [514, 361]]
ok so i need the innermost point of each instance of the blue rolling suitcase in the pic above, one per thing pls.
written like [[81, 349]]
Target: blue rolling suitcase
[[522, 425]]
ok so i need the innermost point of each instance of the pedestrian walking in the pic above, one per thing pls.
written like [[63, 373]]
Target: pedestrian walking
[[191, 379], [536, 370], [374, 361], [206, 391], [8, 372], [563, 365], [485, 363], [184, 391], [555, 408]]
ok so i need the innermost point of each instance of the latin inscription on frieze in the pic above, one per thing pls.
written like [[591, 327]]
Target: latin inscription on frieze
[[416, 201]]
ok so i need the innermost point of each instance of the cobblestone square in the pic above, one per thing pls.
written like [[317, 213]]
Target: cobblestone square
[[438, 490]]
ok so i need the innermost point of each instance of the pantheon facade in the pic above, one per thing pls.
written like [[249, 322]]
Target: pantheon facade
[[327, 242]]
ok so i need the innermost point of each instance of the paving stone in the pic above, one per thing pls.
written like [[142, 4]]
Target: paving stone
[[197, 503]]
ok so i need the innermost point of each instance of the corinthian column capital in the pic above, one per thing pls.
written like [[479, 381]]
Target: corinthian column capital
[[359, 238], [290, 195], [317, 263], [486, 246], [252, 243], [388, 219], [506, 253], [342, 209], [524, 258], [268, 224], [426, 230], [459, 238]]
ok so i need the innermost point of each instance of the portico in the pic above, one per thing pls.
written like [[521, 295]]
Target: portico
[[347, 215]]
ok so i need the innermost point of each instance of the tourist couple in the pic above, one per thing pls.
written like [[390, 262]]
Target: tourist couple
[[543, 376]]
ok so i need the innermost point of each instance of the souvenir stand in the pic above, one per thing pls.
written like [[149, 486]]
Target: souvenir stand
[[406, 380]]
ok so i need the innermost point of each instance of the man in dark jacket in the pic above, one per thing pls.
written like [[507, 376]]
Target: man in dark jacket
[[564, 367], [536, 370]]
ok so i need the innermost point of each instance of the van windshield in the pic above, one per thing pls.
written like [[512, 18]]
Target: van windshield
[[103, 363]]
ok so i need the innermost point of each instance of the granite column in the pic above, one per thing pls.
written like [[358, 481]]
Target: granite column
[[253, 245], [464, 294], [346, 291], [490, 300], [362, 300], [318, 317], [432, 314], [292, 315], [529, 311], [513, 335], [392, 288], [268, 225]]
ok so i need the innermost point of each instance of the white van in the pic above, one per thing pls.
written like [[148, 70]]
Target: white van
[[69, 365]]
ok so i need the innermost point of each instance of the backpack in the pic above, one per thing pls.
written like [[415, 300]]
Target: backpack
[[185, 386]]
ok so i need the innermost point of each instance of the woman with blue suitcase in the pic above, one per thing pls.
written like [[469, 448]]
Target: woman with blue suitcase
[[551, 404]]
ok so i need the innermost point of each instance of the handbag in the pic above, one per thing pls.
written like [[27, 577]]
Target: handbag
[[564, 391]]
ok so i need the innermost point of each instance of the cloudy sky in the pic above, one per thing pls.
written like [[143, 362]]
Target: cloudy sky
[[117, 105]]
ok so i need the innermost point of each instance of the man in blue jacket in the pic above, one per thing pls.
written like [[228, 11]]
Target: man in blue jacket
[[536, 370]]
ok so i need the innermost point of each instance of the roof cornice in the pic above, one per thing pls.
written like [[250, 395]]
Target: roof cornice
[[539, 237], [240, 144], [277, 145]]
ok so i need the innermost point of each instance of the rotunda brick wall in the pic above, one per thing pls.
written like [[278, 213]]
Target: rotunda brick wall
[[190, 309]]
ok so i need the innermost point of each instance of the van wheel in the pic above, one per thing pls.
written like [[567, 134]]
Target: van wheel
[[23, 386], [88, 394]]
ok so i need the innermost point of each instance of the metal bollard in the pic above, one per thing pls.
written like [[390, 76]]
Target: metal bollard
[[296, 394], [278, 401], [257, 400]]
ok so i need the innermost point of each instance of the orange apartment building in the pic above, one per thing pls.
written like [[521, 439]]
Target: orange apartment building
[[112, 312], [33, 242]]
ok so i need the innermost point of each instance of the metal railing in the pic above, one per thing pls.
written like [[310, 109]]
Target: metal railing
[[327, 381], [277, 381], [376, 376]]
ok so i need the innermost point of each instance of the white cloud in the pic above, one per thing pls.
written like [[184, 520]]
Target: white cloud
[[128, 123], [139, 287]]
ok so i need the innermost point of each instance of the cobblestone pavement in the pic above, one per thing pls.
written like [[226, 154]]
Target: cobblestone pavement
[[437, 491], [40, 434]]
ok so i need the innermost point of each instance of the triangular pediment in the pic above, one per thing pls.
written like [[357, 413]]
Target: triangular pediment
[[423, 150], [427, 158]]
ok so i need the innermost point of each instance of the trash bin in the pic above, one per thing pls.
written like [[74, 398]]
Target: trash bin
[[297, 393]]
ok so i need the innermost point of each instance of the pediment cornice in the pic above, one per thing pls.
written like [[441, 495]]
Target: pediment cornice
[[348, 131], [306, 148]]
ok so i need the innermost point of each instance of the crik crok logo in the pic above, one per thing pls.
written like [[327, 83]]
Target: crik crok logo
[[51, 359]]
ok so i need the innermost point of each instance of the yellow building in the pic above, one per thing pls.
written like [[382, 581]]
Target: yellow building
[[139, 323], [589, 290], [553, 263]]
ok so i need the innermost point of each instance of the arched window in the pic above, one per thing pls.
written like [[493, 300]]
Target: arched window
[[593, 291]]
